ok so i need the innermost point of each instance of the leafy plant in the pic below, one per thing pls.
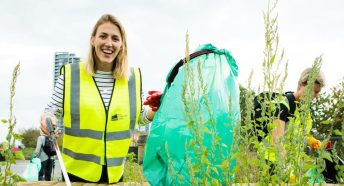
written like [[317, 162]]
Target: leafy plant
[[133, 172], [328, 115], [292, 164], [9, 178]]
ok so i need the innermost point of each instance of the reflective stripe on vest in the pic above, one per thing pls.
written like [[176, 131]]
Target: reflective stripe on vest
[[86, 120]]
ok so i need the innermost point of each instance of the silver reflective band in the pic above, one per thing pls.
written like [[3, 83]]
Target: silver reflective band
[[85, 157], [120, 135], [113, 162], [75, 95], [132, 98], [84, 133]]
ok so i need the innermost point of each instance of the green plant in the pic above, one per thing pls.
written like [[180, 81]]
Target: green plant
[[328, 114], [208, 157], [292, 163], [9, 178], [133, 172]]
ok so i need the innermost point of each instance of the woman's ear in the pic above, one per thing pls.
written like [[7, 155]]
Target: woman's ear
[[92, 41]]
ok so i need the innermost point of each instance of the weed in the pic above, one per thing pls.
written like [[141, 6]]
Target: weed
[[9, 178]]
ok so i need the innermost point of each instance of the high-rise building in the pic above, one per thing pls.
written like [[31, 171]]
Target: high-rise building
[[62, 58]]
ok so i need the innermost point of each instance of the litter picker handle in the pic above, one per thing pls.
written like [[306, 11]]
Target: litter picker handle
[[58, 153], [49, 125]]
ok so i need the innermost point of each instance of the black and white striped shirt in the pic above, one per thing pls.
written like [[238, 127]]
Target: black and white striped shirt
[[104, 82]]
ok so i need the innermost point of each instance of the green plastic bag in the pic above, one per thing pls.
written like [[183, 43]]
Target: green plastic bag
[[314, 177], [32, 170], [203, 95]]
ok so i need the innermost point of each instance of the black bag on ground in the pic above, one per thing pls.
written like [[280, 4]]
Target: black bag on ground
[[48, 147], [259, 118]]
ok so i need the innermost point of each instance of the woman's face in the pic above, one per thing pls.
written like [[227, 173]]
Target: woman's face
[[315, 92], [107, 42]]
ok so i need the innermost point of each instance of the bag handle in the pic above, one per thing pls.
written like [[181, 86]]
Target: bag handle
[[175, 69]]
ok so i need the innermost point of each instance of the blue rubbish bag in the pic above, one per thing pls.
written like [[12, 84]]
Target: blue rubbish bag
[[32, 170], [206, 91]]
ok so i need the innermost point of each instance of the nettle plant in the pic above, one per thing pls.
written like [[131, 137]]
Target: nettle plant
[[6, 176]]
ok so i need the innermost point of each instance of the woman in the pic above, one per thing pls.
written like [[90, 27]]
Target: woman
[[47, 161], [100, 101]]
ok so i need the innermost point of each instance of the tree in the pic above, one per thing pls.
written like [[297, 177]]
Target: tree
[[30, 137], [328, 114]]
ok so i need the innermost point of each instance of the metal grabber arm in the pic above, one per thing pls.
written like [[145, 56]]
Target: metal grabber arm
[[58, 153]]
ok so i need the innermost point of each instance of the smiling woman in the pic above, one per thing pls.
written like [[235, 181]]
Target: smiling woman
[[107, 43], [100, 101]]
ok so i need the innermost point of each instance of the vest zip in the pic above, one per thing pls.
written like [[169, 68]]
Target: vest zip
[[106, 113]]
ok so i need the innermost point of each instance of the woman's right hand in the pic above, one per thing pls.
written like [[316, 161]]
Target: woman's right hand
[[44, 127], [153, 100]]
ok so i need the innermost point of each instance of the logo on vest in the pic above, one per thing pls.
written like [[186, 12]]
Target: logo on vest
[[114, 117], [118, 116]]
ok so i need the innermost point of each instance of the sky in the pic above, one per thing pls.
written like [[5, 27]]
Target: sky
[[33, 30]]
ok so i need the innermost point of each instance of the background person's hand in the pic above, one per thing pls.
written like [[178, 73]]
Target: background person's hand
[[314, 143], [33, 156], [44, 127], [153, 100]]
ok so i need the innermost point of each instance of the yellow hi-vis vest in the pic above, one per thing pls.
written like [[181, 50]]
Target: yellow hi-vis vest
[[293, 127], [93, 136]]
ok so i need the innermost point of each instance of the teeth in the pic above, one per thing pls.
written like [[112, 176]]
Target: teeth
[[107, 51]]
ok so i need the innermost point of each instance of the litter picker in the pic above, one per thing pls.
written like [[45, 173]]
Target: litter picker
[[58, 153]]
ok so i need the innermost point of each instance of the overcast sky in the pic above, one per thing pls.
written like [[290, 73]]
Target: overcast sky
[[33, 30]]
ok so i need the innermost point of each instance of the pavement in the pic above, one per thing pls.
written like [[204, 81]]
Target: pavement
[[21, 165]]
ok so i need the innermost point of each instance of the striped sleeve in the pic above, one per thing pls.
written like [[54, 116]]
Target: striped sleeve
[[55, 105]]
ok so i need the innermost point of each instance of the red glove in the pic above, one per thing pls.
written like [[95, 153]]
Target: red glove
[[328, 145], [153, 100]]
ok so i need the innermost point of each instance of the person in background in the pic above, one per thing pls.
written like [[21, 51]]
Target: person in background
[[46, 161], [284, 115], [100, 101]]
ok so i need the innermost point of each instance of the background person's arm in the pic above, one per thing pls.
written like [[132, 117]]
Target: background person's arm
[[278, 131]]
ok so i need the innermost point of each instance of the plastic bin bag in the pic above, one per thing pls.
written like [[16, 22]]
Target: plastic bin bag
[[204, 94], [32, 170]]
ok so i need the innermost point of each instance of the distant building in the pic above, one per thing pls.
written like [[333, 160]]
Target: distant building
[[62, 58]]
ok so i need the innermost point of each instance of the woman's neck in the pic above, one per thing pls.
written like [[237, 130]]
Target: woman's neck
[[297, 96], [106, 67]]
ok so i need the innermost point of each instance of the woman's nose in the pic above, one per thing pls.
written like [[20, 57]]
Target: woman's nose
[[108, 42]]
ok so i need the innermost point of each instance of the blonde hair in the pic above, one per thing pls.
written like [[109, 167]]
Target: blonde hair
[[120, 67], [320, 79]]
